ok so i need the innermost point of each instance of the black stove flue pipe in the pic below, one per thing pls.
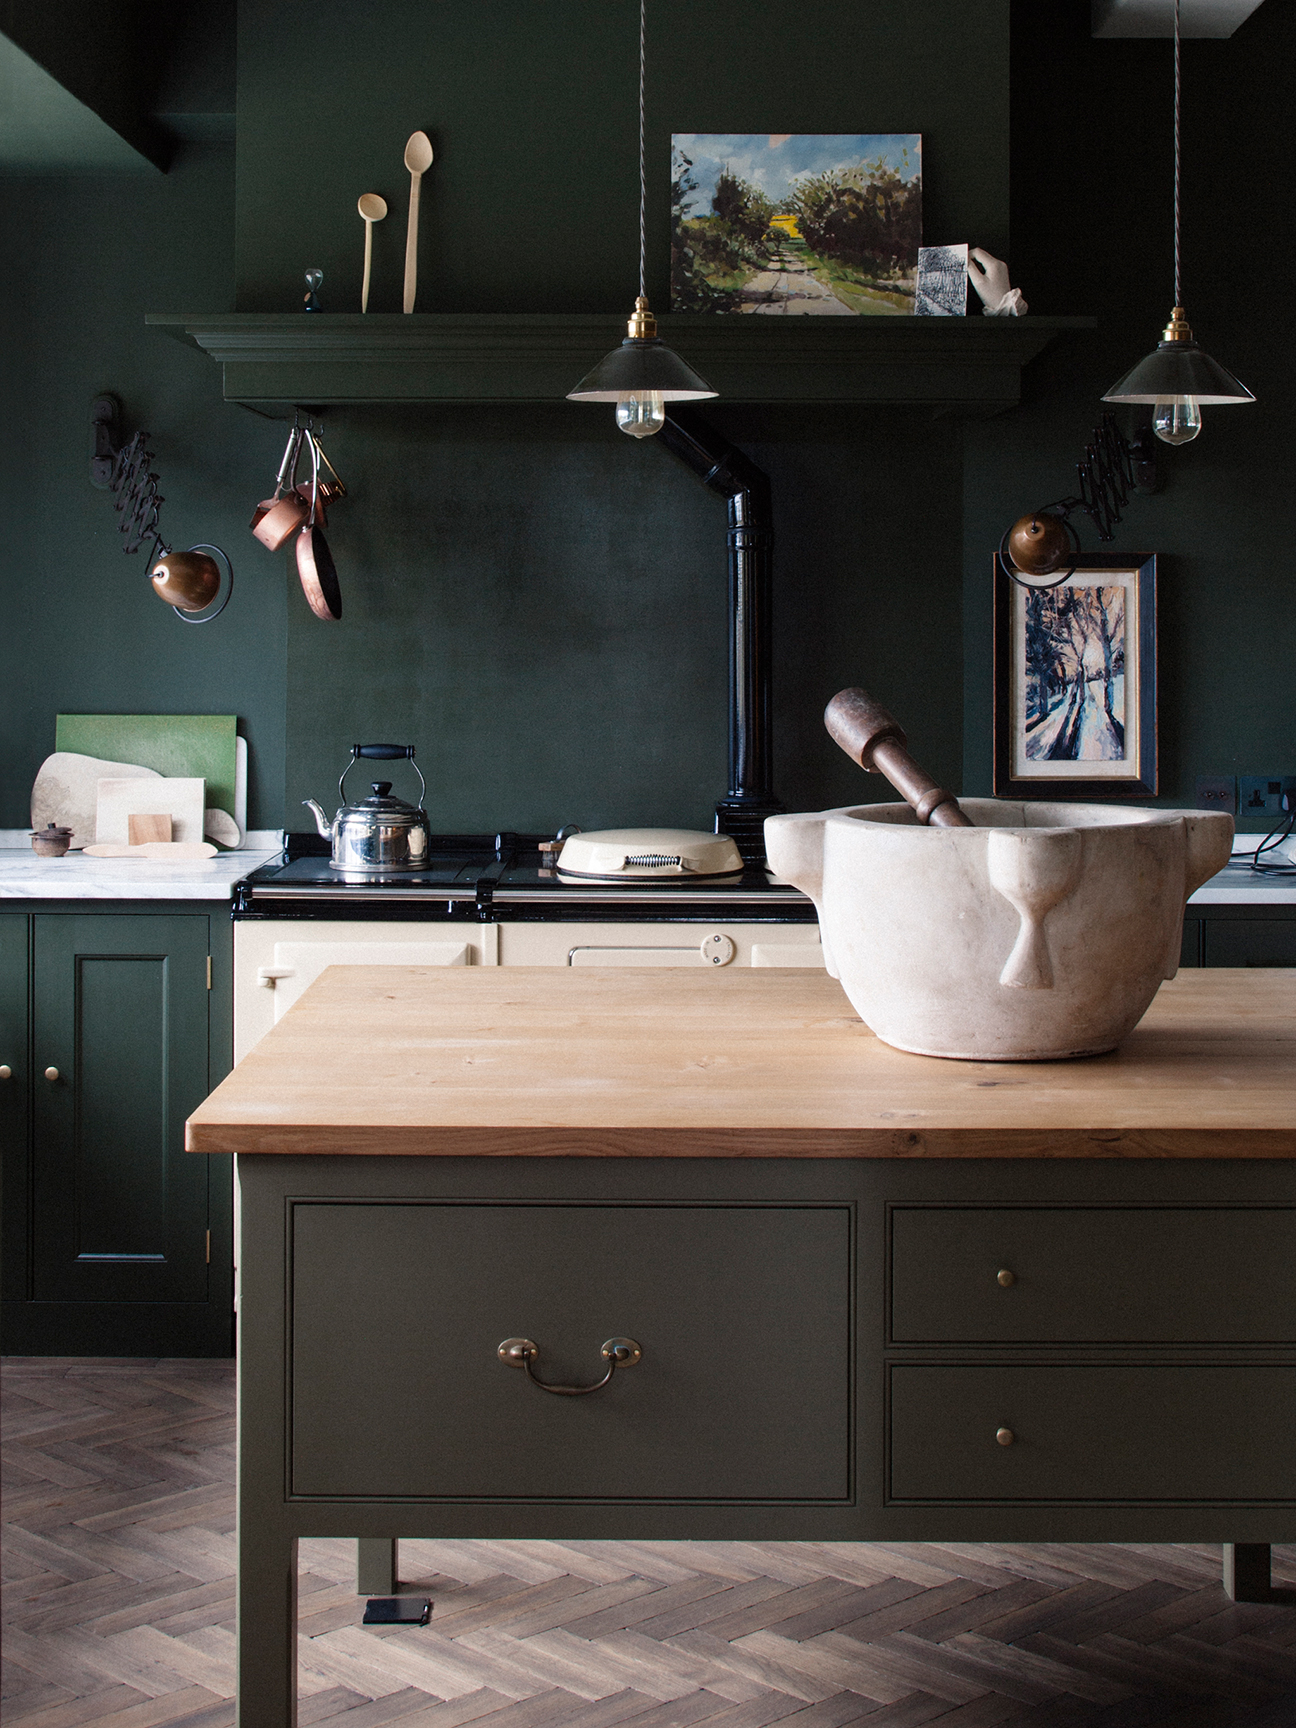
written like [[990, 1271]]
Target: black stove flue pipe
[[724, 468]]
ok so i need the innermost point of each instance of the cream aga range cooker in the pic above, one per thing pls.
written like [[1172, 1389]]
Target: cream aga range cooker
[[496, 900]]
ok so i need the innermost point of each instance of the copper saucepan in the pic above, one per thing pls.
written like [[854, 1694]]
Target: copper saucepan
[[315, 566], [275, 520]]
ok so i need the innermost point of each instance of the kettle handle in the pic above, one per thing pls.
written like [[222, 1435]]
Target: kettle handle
[[384, 753]]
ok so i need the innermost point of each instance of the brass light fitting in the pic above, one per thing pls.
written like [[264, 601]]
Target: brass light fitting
[[1178, 377], [643, 374]]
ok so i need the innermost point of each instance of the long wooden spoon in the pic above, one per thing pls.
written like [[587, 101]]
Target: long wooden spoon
[[373, 209], [418, 159]]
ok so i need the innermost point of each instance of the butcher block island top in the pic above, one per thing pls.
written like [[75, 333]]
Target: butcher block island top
[[546, 1061]]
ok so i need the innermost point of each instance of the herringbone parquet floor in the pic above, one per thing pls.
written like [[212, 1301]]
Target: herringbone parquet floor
[[119, 1563]]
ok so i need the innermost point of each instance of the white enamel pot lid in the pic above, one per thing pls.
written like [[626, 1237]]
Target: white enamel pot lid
[[620, 852]]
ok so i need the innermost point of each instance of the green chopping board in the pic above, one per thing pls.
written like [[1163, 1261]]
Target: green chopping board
[[184, 745]]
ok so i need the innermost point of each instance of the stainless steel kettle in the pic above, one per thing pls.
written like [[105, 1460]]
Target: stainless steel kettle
[[380, 835]]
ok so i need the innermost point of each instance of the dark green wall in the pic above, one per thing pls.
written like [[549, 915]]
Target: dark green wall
[[531, 204], [1092, 231], [81, 629], [538, 602], [533, 599]]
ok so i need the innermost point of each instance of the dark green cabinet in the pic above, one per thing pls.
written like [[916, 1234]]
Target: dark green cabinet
[[684, 1282], [1240, 935], [1251, 942], [118, 1242]]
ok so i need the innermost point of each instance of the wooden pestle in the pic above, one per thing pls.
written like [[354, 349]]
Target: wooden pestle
[[871, 737]]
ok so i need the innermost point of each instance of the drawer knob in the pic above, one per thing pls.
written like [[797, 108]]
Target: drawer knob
[[1005, 1436], [1006, 1278], [522, 1352], [51, 1073], [6, 1072]]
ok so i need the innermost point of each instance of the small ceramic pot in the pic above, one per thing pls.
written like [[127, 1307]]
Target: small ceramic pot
[[51, 841], [1043, 931]]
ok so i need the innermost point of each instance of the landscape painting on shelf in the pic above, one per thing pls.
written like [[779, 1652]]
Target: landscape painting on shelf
[[778, 223]]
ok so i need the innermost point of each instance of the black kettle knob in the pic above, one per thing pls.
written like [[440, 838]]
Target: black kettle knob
[[380, 788]]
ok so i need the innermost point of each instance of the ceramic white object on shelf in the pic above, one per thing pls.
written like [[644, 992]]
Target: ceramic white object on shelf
[[1041, 932]]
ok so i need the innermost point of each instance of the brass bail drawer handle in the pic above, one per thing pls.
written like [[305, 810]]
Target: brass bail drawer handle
[[522, 1352]]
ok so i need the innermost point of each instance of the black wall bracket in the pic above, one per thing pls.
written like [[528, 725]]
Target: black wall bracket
[[105, 439]]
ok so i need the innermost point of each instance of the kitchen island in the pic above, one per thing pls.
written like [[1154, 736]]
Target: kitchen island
[[852, 1293]]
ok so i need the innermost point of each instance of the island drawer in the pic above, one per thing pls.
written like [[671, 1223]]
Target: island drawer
[[742, 1311], [1162, 1432], [1091, 1275]]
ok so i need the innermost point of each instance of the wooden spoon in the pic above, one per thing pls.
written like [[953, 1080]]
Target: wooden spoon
[[373, 209], [418, 159]]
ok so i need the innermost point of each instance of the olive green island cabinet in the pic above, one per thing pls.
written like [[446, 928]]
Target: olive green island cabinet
[[843, 1292], [115, 1023]]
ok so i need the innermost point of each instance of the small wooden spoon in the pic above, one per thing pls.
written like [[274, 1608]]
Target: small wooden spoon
[[418, 159], [373, 209]]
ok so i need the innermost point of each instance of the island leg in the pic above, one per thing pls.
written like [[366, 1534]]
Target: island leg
[[376, 1563], [267, 1626], [1246, 1572]]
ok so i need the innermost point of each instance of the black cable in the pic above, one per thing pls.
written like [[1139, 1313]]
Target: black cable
[[1272, 840]]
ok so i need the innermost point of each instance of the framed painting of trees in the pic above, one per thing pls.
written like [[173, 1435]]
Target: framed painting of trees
[[1075, 682]]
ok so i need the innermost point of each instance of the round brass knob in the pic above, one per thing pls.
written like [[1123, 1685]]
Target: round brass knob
[[1005, 1436], [6, 1072], [1006, 1277], [51, 1073]]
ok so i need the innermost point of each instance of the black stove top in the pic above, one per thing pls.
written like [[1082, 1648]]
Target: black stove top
[[483, 878]]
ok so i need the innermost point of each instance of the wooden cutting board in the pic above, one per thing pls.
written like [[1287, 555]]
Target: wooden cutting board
[[119, 800], [183, 746]]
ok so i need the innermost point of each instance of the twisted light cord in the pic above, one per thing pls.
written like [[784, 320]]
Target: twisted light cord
[[1177, 300], [643, 180]]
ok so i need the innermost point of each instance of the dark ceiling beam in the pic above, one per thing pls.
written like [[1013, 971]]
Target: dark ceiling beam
[[108, 54]]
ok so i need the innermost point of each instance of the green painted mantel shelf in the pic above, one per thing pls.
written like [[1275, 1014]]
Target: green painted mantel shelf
[[969, 366]]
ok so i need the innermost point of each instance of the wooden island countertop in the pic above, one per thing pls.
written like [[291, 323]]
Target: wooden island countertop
[[543, 1061]]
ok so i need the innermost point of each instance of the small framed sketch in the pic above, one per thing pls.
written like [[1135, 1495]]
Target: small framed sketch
[[1075, 682]]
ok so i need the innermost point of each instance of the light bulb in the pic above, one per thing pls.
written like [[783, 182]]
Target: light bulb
[[1177, 419], [641, 416]]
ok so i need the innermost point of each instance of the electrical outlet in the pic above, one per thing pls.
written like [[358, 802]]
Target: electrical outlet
[[1263, 794], [1217, 792]]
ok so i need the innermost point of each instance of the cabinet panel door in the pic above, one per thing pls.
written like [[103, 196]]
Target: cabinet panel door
[[1251, 942], [1090, 1275], [119, 1208], [743, 1314], [1155, 1431], [13, 1098]]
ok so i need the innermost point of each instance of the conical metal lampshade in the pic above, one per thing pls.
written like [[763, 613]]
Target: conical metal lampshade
[[639, 366], [1178, 367]]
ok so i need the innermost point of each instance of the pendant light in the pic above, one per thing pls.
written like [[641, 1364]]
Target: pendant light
[[1179, 377], [643, 373]]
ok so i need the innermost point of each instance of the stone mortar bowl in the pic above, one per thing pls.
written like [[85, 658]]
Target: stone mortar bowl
[[1043, 931]]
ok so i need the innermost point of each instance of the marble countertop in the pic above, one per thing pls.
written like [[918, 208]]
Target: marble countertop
[[24, 876], [1237, 884]]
